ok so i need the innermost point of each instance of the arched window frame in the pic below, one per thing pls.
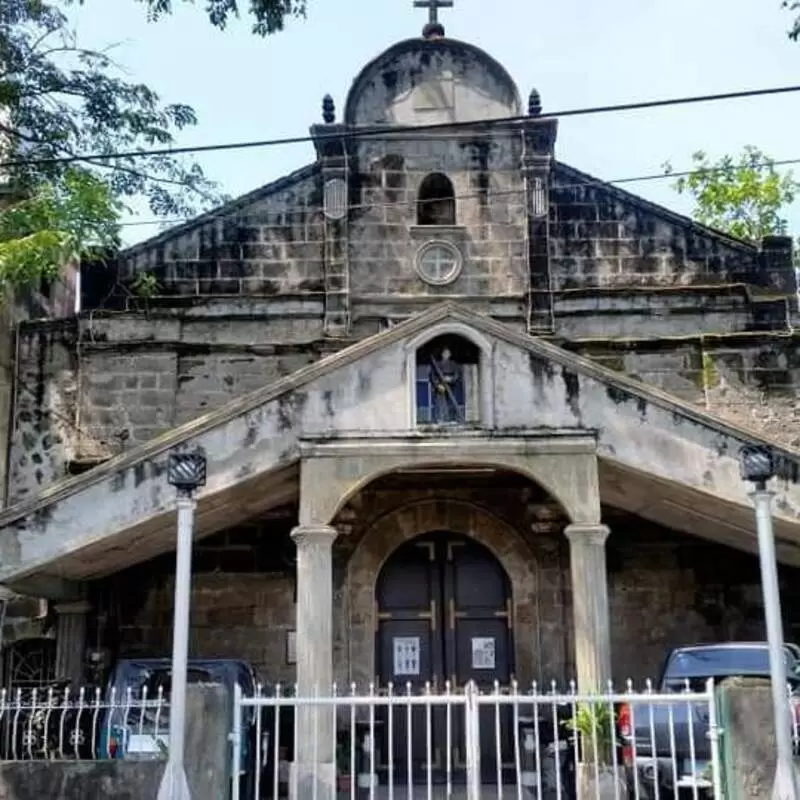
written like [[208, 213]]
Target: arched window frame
[[486, 409], [451, 197]]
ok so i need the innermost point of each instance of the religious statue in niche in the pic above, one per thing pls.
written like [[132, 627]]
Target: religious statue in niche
[[447, 382], [446, 377]]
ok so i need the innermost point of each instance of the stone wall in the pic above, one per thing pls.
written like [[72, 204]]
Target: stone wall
[[491, 222], [242, 301], [91, 389], [604, 237], [665, 589], [241, 615], [750, 380], [44, 437], [268, 242], [242, 602]]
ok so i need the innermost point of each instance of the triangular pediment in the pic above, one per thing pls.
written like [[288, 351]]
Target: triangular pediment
[[529, 388]]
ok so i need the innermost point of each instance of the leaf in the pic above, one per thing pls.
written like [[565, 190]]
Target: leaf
[[743, 196], [268, 16], [65, 100], [55, 225], [60, 102]]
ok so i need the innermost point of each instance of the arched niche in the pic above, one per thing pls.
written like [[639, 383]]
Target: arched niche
[[472, 389]]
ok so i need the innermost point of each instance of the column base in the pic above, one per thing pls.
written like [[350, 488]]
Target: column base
[[302, 778]]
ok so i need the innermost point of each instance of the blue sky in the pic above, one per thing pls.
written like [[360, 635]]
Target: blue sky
[[576, 52]]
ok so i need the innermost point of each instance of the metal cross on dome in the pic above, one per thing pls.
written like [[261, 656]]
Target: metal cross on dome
[[433, 7]]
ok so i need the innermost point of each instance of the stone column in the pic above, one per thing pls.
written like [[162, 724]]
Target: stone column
[[314, 760], [587, 549], [71, 640]]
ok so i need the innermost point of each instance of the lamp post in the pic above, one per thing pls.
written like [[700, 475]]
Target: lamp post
[[186, 472], [758, 467]]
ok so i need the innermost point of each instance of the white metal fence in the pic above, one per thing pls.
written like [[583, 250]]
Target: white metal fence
[[84, 724], [473, 743], [408, 743]]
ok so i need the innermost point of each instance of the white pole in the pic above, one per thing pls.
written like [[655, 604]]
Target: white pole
[[174, 785], [785, 785]]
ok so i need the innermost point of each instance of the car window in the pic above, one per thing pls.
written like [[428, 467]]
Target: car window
[[719, 661]]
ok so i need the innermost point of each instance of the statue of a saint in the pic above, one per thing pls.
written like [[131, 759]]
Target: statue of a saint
[[445, 376]]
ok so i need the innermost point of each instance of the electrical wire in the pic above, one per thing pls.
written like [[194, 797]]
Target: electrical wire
[[348, 133], [225, 212]]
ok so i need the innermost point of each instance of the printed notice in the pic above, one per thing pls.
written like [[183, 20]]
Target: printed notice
[[483, 655], [406, 655]]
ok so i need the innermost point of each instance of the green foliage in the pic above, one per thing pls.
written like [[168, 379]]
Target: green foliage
[[743, 196], [56, 223], [594, 723], [146, 285], [59, 100], [64, 100], [269, 16]]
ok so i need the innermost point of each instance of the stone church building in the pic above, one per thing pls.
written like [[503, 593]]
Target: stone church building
[[469, 412]]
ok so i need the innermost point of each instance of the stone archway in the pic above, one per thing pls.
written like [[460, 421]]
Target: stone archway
[[400, 525]]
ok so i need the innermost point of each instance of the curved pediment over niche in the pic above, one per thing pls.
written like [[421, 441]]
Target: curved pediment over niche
[[431, 81]]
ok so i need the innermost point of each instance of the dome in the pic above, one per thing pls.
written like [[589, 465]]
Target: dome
[[429, 81]]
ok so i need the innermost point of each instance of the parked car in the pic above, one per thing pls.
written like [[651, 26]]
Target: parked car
[[129, 731], [656, 736]]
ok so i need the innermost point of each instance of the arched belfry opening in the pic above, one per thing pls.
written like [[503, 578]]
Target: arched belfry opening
[[447, 381], [436, 201]]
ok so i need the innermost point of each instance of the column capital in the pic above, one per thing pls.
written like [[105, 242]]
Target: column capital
[[75, 607], [587, 533], [310, 535]]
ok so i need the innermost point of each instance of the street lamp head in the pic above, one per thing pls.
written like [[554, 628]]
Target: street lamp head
[[757, 464], [186, 471]]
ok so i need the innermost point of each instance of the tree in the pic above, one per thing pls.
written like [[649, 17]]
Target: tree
[[268, 15], [743, 196], [58, 102], [54, 225], [793, 5]]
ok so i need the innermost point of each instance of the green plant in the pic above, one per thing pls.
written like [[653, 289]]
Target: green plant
[[146, 285], [594, 723]]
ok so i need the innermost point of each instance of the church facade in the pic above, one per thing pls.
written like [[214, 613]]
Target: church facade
[[468, 412]]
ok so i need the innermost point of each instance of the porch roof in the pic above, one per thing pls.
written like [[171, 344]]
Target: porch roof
[[660, 457]]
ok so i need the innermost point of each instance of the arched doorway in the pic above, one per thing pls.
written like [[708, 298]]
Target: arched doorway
[[444, 614]]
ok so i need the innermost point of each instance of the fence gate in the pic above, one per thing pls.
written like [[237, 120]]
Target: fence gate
[[515, 744]]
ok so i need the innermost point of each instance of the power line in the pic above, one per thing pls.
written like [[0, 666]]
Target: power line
[[383, 130], [222, 213]]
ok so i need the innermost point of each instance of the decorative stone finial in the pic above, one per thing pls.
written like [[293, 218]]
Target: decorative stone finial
[[433, 30], [328, 110], [534, 103]]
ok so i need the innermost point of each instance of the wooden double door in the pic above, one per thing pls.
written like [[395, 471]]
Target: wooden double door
[[444, 614]]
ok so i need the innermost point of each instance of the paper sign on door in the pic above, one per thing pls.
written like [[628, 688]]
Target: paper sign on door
[[483, 653], [406, 655]]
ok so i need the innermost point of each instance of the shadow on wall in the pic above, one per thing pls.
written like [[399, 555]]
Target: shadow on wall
[[88, 780]]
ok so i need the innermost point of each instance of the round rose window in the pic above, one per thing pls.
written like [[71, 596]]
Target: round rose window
[[438, 263]]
